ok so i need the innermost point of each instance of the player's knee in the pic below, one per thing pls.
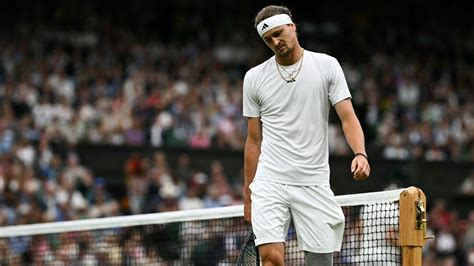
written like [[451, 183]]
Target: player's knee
[[272, 256]]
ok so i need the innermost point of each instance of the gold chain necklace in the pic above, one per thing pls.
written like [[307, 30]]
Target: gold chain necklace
[[291, 76]]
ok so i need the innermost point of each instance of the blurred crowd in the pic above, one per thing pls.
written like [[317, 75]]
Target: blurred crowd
[[154, 185], [199, 243], [70, 191], [113, 87], [53, 190], [454, 237]]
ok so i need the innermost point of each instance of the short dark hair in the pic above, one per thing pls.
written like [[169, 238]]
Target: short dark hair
[[270, 11]]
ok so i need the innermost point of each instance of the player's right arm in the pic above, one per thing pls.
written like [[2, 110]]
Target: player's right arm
[[251, 154]]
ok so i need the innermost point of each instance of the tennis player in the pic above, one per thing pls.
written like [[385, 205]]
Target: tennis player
[[287, 100]]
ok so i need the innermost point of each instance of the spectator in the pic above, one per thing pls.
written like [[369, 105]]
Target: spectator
[[467, 186]]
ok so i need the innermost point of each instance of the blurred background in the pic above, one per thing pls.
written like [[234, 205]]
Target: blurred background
[[136, 106]]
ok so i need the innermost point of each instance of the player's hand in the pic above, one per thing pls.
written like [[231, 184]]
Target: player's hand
[[247, 209], [360, 167]]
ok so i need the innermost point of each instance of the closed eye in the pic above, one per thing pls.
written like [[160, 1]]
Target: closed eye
[[273, 35]]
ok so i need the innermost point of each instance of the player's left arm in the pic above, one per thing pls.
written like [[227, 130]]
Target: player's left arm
[[355, 138]]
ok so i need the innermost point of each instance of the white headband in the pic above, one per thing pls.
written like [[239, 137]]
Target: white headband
[[272, 22]]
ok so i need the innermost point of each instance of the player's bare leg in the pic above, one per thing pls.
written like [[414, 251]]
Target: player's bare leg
[[272, 254]]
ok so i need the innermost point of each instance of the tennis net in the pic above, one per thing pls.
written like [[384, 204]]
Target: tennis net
[[196, 237]]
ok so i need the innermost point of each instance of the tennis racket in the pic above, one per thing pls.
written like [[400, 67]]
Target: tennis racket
[[249, 252]]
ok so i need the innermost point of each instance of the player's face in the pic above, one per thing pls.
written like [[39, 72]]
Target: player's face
[[281, 39]]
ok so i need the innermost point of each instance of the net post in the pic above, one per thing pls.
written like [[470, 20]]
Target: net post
[[412, 225]]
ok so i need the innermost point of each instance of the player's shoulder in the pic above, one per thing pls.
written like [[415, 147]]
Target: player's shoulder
[[321, 57]]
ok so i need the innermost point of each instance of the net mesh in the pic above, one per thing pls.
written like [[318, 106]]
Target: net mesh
[[369, 239]]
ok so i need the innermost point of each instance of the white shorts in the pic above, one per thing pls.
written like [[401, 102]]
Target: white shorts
[[318, 218]]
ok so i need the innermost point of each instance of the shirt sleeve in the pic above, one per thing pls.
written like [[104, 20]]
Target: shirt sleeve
[[337, 89], [251, 106]]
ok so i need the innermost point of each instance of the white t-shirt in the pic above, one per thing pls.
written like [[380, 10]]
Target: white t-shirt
[[294, 117]]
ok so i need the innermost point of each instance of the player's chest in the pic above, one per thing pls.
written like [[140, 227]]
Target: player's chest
[[277, 93]]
